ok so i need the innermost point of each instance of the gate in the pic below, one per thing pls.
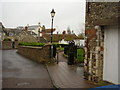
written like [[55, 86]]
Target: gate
[[72, 53]]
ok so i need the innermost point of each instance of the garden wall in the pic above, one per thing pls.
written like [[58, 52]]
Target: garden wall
[[8, 45], [39, 54]]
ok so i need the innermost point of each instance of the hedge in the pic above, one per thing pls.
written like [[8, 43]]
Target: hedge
[[7, 39], [31, 44], [80, 55], [60, 45]]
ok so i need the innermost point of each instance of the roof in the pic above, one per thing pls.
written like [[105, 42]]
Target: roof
[[14, 30], [69, 37], [59, 37], [1, 26], [79, 37], [31, 32], [33, 27], [48, 30], [25, 36], [56, 37], [43, 40]]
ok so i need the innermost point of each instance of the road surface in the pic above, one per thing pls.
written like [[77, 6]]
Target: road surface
[[20, 72]]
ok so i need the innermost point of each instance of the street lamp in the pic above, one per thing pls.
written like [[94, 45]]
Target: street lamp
[[52, 15]]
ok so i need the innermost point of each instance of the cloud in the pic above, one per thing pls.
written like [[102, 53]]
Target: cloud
[[23, 13]]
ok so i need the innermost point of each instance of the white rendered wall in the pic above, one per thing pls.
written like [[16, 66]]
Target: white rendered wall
[[82, 42], [63, 42], [110, 68]]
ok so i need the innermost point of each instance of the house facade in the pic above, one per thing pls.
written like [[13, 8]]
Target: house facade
[[79, 42], [102, 42], [63, 42], [25, 36]]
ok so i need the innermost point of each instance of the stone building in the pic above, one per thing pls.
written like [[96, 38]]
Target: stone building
[[102, 34], [25, 36]]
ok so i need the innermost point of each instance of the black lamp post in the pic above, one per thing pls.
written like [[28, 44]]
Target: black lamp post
[[52, 15]]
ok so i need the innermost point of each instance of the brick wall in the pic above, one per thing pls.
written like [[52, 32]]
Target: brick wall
[[39, 54]]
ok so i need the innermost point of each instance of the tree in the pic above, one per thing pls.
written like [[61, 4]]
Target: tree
[[64, 32]]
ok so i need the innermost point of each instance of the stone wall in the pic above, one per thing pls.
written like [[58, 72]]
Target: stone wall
[[98, 15], [8, 44], [102, 13], [94, 47], [39, 54]]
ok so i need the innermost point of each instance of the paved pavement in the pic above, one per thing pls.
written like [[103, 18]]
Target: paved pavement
[[19, 72], [61, 58], [67, 76]]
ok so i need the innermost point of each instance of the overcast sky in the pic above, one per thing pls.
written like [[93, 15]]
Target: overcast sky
[[68, 13]]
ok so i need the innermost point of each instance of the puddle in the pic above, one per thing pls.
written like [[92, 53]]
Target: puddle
[[23, 84]]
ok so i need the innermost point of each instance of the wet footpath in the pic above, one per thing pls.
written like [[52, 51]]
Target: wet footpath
[[20, 72], [67, 76]]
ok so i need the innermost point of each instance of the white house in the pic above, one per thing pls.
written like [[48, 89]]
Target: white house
[[79, 42], [34, 28], [63, 42]]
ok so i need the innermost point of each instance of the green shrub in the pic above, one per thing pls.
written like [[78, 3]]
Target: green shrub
[[60, 48], [7, 39], [60, 45], [80, 55], [31, 44], [56, 44]]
